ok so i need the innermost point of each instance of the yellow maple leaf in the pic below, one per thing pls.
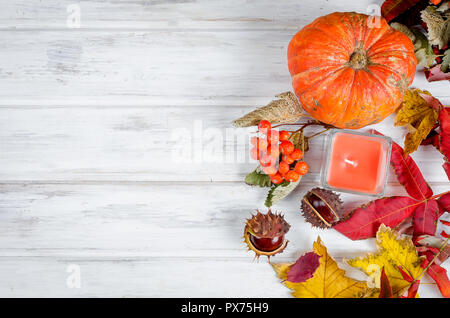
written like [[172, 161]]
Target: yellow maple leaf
[[328, 281], [418, 116], [393, 252]]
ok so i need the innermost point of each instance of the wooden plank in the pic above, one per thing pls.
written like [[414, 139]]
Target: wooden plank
[[186, 14], [133, 240], [148, 68], [146, 144], [153, 220], [153, 277]]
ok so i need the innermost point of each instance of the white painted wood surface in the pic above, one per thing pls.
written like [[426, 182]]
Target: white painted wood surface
[[87, 121]]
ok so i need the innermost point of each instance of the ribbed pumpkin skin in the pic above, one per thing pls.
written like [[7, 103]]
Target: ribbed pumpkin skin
[[348, 74]]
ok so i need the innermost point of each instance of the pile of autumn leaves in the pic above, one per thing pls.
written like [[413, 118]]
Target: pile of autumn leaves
[[402, 260]]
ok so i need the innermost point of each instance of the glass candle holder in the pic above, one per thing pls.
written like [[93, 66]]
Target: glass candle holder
[[356, 162]]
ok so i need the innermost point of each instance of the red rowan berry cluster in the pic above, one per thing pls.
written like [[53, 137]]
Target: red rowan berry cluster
[[277, 155]]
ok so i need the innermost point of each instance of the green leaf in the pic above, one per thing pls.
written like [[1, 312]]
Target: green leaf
[[258, 178], [445, 66], [280, 191]]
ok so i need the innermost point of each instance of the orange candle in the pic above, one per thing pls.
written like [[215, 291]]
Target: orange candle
[[357, 162]]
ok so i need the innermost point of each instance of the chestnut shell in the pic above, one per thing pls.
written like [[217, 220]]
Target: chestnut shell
[[264, 234], [322, 208]]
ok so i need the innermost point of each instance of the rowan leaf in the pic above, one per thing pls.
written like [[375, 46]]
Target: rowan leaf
[[415, 111], [393, 253], [365, 220], [285, 109], [258, 178], [425, 218], [408, 174], [392, 8], [328, 280], [304, 268], [280, 191], [299, 141]]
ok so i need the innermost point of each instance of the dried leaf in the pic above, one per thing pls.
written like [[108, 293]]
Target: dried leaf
[[304, 268], [422, 48], [409, 175], [392, 8], [438, 26], [446, 167], [444, 134], [445, 65], [418, 113], [286, 109], [328, 281], [365, 220], [433, 244], [393, 253], [258, 178], [435, 74], [299, 141], [404, 29], [444, 202], [425, 218]]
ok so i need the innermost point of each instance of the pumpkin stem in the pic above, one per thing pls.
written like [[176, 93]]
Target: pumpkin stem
[[359, 59]]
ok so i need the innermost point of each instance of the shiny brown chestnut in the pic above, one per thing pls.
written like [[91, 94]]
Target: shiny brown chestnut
[[265, 234], [322, 208]]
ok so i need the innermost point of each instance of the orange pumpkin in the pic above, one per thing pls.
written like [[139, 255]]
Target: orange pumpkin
[[350, 70]]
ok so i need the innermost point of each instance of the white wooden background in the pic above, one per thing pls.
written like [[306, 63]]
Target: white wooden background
[[86, 117]]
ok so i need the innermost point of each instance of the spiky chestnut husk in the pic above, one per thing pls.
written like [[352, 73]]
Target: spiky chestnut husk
[[322, 208], [264, 234]]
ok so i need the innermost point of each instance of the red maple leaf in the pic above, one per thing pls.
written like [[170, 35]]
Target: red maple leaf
[[363, 222], [425, 218], [409, 175], [444, 202]]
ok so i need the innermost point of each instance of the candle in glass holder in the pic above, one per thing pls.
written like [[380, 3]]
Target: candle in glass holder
[[357, 162]]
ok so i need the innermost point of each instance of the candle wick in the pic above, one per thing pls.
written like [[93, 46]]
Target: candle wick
[[351, 162]]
